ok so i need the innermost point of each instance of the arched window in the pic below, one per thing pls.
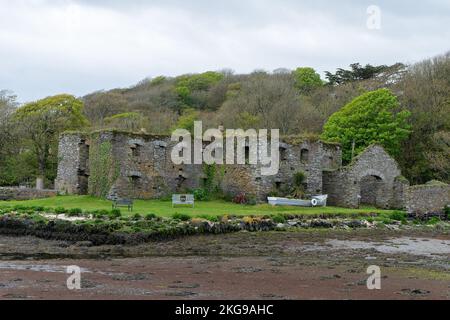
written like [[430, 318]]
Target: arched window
[[304, 155], [247, 155], [136, 150], [135, 182], [283, 154]]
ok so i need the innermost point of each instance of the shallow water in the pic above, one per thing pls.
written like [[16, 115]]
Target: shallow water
[[414, 246]]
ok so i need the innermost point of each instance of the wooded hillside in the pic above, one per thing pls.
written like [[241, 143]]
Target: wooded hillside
[[294, 101]]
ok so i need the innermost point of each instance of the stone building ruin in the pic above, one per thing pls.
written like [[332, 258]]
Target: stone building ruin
[[372, 179], [115, 164]]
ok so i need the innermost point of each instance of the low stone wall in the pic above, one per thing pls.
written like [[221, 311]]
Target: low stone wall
[[25, 194], [425, 199]]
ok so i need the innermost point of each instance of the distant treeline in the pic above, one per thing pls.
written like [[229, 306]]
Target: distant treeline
[[294, 101]]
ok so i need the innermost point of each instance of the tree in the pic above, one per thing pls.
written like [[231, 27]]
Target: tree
[[187, 120], [7, 106], [129, 121], [374, 117], [307, 79], [42, 122], [101, 105], [358, 72], [271, 101], [192, 89], [9, 141], [425, 93], [247, 121]]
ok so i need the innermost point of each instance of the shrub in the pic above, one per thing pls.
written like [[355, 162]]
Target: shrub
[[137, 216], [209, 217], [150, 216], [299, 184], [383, 218], [227, 197], [398, 216], [433, 221], [251, 200], [201, 195], [299, 179], [38, 219], [100, 213], [447, 211], [181, 216], [19, 208], [76, 212], [115, 213], [279, 218], [60, 210]]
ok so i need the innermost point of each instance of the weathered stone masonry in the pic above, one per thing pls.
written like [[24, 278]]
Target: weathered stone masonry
[[141, 167], [374, 178], [369, 179], [310, 157], [427, 198], [25, 194], [73, 165], [117, 164]]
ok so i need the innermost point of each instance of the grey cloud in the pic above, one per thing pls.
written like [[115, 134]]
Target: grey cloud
[[78, 46]]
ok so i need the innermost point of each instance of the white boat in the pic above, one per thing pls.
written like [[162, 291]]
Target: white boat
[[316, 201]]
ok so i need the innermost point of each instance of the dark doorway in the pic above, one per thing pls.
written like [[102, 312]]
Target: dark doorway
[[371, 190]]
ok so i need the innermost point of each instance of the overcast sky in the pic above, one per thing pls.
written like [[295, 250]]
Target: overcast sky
[[68, 46]]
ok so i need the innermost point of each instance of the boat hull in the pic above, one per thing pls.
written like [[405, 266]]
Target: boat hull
[[318, 201]]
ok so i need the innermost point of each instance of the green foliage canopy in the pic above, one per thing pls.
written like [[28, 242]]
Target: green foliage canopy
[[187, 120], [307, 79], [130, 121], [55, 114], [373, 117], [42, 122], [358, 72], [187, 85]]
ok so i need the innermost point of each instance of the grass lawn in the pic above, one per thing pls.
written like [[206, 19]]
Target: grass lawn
[[164, 208]]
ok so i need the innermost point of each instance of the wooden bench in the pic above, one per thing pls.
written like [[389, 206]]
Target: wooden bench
[[183, 199], [123, 203]]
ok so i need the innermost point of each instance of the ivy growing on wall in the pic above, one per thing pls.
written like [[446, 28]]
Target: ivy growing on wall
[[210, 173], [214, 175], [103, 170]]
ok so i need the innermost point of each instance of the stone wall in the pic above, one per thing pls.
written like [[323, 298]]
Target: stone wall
[[140, 166], [400, 189], [309, 157], [73, 168], [334, 185], [372, 171], [7, 194], [425, 199], [143, 166]]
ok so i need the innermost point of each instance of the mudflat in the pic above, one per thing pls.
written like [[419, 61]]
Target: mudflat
[[308, 264]]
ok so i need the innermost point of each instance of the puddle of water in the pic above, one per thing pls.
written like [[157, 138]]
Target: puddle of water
[[421, 247]]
